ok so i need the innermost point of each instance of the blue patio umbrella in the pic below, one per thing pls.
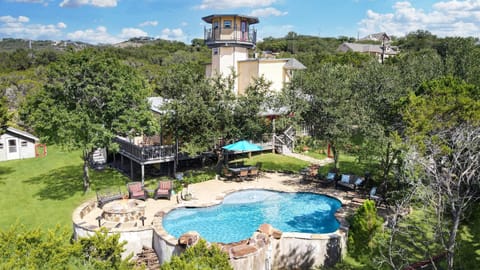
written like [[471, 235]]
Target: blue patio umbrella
[[242, 146]]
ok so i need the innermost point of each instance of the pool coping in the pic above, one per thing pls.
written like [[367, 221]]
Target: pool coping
[[340, 215]]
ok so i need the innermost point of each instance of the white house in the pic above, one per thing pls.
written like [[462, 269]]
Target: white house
[[17, 144], [231, 37]]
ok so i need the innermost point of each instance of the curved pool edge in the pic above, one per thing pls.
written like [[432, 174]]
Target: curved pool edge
[[153, 235], [166, 245]]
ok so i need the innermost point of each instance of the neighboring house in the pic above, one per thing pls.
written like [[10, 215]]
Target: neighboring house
[[17, 144], [380, 51], [230, 38]]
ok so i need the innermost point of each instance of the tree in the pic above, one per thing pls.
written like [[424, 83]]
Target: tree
[[452, 166], [332, 109], [441, 104], [363, 227], [22, 248], [4, 117], [89, 98]]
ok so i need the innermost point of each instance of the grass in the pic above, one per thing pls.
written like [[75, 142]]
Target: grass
[[314, 155], [43, 192], [275, 162]]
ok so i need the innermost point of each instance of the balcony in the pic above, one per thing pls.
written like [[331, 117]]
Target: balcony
[[230, 36], [145, 154]]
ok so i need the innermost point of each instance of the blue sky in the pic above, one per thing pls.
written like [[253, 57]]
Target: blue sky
[[113, 21]]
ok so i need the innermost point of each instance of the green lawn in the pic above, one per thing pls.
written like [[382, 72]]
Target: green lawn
[[43, 192], [275, 162]]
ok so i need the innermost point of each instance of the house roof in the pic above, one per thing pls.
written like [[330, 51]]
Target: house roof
[[250, 19], [377, 37], [22, 133], [293, 63], [364, 48]]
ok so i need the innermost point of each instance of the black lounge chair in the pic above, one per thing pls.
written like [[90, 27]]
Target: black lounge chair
[[349, 181]]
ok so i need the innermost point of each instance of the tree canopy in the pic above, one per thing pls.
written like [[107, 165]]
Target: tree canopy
[[88, 99]]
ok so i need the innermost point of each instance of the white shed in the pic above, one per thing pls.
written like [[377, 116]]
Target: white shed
[[17, 144]]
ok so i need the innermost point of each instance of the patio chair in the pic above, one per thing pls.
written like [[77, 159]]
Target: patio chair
[[253, 173], [243, 174], [136, 191], [227, 174], [164, 190], [372, 195], [328, 180]]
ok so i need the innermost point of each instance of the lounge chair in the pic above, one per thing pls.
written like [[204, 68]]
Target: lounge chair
[[164, 190], [136, 191], [372, 195], [328, 180], [349, 181]]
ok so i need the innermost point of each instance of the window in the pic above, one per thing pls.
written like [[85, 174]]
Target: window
[[12, 146], [1, 145], [215, 51], [227, 24], [215, 25], [24, 144]]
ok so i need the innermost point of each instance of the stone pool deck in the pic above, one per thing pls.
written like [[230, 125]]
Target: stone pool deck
[[210, 193], [272, 252]]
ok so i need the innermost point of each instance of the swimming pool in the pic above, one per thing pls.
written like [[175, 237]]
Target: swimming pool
[[242, 212]]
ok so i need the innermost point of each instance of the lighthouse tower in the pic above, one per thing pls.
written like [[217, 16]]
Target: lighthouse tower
[[230, 37]]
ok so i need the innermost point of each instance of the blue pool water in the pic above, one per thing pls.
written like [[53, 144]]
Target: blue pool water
[[241, 213]]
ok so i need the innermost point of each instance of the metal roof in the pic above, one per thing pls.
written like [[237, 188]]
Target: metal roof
[[250, 19], [293, 63], [22, 133]]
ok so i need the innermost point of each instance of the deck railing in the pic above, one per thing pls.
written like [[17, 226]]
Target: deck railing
[[229, 35], [146, 152]]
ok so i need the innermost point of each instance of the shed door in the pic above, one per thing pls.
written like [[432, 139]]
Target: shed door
[[12, 149]]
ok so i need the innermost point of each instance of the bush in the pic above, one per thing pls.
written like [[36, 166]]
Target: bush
[[199, 256], [363, 227], [22, 248]]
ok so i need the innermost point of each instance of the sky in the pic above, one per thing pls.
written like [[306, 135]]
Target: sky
[[114, 21]]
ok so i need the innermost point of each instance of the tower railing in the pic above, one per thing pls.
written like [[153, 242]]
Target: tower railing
[[230, 35]]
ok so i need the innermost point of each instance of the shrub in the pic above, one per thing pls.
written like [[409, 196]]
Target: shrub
[[363, 226], [199, 256], [22, 248]]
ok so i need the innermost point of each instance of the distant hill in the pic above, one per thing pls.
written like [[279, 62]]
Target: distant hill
[[12, 44]]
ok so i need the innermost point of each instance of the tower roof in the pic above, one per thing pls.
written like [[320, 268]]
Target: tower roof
[[250, 19]]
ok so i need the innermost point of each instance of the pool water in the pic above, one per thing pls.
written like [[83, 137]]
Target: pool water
[[241, 213]]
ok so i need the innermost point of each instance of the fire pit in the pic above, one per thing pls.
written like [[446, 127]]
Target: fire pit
[[123, 210]]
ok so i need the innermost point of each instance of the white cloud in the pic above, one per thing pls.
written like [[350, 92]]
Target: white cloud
[[229, 4], [173, 34], [148, 23], [265, 12], [20, 28], [10, 19], [94, 36], [132, 32], [61, 25], [450, 18], [95, 3]]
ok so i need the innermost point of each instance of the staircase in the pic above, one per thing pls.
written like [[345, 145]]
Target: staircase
[[285, 142]]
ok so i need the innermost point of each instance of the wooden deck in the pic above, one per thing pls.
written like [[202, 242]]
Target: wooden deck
[[147, 154]]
